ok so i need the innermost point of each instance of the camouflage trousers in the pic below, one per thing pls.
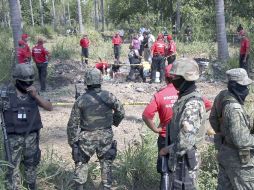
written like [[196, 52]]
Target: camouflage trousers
[[185, 176], [98, 141], [25, 151], [238, 178]]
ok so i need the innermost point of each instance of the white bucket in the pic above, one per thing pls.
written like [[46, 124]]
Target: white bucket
[[157, 77]]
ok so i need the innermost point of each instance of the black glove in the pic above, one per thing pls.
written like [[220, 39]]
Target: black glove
[[75, 152]]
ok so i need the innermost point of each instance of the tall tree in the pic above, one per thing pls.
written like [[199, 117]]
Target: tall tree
[[223, 54], [69, 14], [54, 14], [81, 28], [102, 16], [96, 20], [15, 22], [41, 13], [31, 10]]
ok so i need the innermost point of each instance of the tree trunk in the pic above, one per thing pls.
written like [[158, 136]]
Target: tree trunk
[[31, 10], [15, 23], [69, 14], [81, 28], [41, 13], [96, 15], [178, 15], [171, 12], [54, 14], [223, 54], [102, 16]]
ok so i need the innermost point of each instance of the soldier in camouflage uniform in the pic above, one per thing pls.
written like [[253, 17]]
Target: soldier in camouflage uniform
[[184, 128], [20, 102], [94, 113], [233, 139]]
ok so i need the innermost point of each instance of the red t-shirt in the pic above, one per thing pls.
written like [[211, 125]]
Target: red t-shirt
[[171, 48], [101, 65], [245, 44], [39, 54], [162, 103], [84, 42], [158, 47], [117, 40], [23, 55]]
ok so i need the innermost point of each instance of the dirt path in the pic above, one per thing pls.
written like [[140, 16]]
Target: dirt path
[[62, 89]]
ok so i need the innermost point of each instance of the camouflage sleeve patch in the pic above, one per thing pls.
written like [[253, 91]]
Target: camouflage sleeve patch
[[73, 123], [238, 126], [191, 121]]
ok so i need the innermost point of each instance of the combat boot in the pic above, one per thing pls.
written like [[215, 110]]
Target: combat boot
[[79, 186]]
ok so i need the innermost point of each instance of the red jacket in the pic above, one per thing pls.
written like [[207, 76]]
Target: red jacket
[[23, 55], [245, 46], [102, 65], [158, 48], [171, 49], [84, 42], [39, 54], [117, 40]]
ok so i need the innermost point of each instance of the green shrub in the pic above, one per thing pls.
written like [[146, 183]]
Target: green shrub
[[63, 49], [135, 167]]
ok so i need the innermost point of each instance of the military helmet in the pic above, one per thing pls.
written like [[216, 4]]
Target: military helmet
[[23, 72], [187, 68], [92, 76]]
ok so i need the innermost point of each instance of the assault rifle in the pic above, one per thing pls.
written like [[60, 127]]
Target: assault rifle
[[3, 126]]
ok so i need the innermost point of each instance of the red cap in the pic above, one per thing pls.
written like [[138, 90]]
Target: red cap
[[169, 37], [24, 36], [21, 42], [160, 36], [167, 71]]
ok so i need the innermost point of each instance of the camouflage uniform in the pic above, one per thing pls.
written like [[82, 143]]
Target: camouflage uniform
[[22, 130], [93, 114], [234, 140], [184, 128]]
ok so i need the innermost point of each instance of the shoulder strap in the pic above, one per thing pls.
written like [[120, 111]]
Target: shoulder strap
[[98, 98]]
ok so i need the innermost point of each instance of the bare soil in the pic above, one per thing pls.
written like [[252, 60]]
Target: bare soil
[[61, 89]]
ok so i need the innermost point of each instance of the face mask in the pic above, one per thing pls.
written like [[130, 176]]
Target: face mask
[[23, 85], [240, 91], [178, 83]]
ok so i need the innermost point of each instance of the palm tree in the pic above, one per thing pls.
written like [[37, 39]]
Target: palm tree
[[41, 13], [81, 28], [54, 14], [223, 54], [31, 10], [102, 15], [96, 22], [15, 22]]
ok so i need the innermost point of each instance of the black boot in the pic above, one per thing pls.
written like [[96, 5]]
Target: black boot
[[78, 186]]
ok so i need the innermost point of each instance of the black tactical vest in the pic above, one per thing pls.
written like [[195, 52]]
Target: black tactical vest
[[21, 116], [133, 58]]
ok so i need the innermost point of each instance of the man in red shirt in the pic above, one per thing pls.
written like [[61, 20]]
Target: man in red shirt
[[117, 41], [41, 56], [171, 50], [25, 38], [158, 50], [162, 102], [23, 55], [244, 51], [84, 43], [102, 66]]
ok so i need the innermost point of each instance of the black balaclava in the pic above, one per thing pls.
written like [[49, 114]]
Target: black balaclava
[[183, 86], [23, 85], [240, 91], [90, 87]]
